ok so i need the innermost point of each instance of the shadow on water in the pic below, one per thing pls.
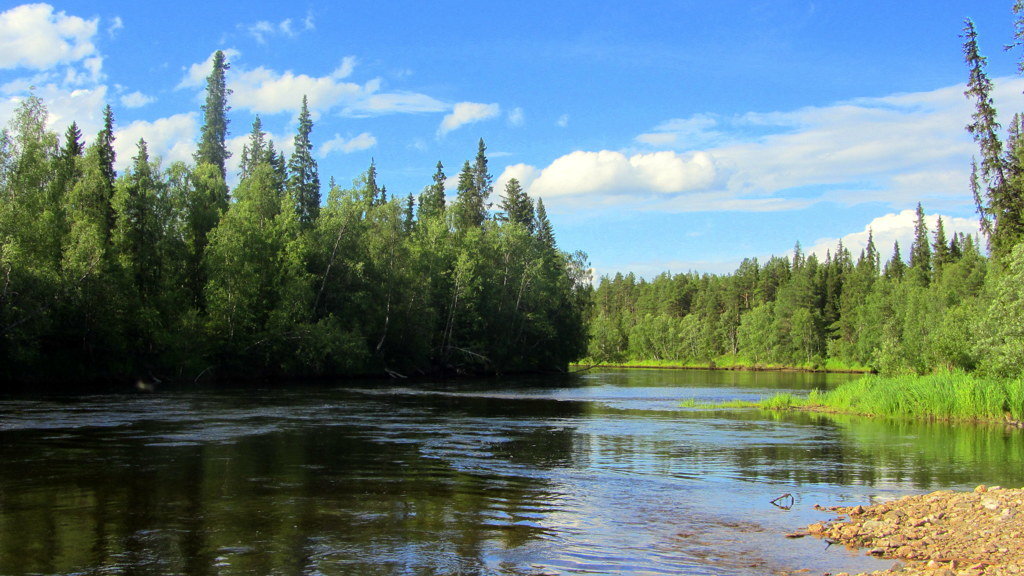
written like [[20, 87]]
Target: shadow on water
[[599, 474]]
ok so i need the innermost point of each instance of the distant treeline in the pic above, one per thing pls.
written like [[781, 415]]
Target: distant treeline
[[940, 310], [164, 273], [951, 304]]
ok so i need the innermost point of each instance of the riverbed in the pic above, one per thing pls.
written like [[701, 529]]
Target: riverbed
[[601, 473]]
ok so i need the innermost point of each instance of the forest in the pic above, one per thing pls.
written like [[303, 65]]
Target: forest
[[953, 303], [168, 274]]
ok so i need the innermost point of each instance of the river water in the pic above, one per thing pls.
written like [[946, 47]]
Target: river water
[[603, 473]]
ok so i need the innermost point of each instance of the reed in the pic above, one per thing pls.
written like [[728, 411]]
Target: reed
[[944, 395]]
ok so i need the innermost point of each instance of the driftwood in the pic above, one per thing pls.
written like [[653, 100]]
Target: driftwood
[[785, 501]]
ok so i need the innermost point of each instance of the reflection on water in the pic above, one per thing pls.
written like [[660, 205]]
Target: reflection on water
[[603, 474]]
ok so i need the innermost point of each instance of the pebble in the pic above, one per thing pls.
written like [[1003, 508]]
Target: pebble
[[938, 534]]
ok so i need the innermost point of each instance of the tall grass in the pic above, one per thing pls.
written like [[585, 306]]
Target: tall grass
[[943, 395]]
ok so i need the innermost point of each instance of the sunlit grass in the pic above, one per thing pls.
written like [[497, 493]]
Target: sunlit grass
[[943, 395], [730, 362]]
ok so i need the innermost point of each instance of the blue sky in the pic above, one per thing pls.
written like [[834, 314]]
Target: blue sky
[[662, 135]]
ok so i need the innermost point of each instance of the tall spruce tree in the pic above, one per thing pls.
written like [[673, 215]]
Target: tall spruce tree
[[545, 232], [482, 180], [304, 179], [470, 211], [516, 205], [107, 157], [213, 135], [920, 250], [432, 198], [255, 151]]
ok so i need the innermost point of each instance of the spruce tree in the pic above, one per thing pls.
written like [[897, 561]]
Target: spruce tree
[[432, 198], [516, 205], [304, 180], [107, 156], [482, 179], [255, 150], [545, 232], [895, 267], [920, 250], [469, 208], [213, 135], [940, 249]]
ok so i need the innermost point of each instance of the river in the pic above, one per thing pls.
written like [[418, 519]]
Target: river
[[602, 473]]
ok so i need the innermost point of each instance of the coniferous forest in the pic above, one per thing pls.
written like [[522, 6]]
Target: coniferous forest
[[169, 273], [950, 302], [165, 273]]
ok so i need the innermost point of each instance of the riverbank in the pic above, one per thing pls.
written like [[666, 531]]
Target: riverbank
[[949, 396], [727, 362], [944, 533]]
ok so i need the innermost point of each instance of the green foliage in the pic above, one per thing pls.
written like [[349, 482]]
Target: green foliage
[[212, 147], [947, 395], [168, 274]]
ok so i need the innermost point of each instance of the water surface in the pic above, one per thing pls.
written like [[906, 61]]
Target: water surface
[[599, 474]]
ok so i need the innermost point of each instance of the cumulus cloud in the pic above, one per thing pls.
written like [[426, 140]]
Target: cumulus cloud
[[563, 121], [195, 75], [80, 105], [136, 100], [467, 113], [604, 173], [891, 228], [896, 150], [33, 36], [172, 138], [364, 141]]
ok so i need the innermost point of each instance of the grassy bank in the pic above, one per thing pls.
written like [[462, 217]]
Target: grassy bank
[[727, 362], [941, 396]]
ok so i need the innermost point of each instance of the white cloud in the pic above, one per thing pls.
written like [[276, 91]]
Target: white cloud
[[266, 91], [172, 139], [893, 227], [515, 117], [33, 36], [896, 150], [364, 141], [563, 121], [195, 75], [136, 100], [613, 173], [467, 113], [263, 29], [115, 24]]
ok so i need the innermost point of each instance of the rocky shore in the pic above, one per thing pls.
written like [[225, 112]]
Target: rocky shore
[[979, 533]]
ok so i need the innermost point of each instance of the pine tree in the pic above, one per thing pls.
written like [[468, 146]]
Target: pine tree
[[213, 135], [432, 198], [304, 182]]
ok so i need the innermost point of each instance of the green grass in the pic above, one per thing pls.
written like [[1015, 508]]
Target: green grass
[[942, 396], [731, 362]]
